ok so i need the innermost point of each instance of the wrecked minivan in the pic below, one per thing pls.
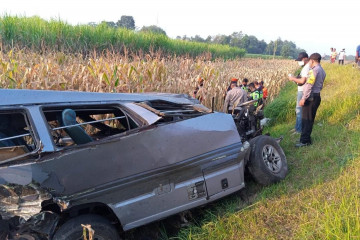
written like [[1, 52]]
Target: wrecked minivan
[[117, 161]]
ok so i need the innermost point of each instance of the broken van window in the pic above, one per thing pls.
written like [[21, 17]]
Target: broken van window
[[16, 136], [75, 125], [170, 111]]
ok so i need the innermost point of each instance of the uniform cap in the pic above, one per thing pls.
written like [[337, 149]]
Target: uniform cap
[[301, 56]]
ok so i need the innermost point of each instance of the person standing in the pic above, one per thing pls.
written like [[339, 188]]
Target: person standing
[[264, 89], [357, 56], [333, 55], [311, 99], [244, 85], [342, 56], [233, 80], [200, 92], [259, 89], [302, 59], [234, 97], [254, 94]]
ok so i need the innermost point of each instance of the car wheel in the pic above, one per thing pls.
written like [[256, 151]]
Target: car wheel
[[72, 229], [267, 163]]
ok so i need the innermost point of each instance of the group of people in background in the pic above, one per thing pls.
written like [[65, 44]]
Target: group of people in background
[[310, 82], [238, 94], [340, 55]]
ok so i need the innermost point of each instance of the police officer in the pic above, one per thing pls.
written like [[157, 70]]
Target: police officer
[[254, 94], [233, 80], [311, 99], [259, 88], [244, 85], [234, 98]]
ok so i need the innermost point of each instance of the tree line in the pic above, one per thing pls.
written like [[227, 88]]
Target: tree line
[[250, 43]]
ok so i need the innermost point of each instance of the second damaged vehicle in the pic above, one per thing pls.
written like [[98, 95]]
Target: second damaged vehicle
[[118, 161]]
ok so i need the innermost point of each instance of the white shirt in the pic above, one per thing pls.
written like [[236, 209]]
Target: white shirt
[[341, 55], [304, 73]]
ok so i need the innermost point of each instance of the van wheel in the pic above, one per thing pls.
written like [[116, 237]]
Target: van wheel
[[72, 229], [267, 163]]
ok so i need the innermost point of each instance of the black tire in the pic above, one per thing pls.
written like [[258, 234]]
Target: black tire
[[72, 229], [267, 162]]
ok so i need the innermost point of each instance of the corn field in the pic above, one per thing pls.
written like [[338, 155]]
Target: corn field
[[112, 72]]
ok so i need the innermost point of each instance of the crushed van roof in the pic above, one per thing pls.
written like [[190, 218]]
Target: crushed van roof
[[29, 97]]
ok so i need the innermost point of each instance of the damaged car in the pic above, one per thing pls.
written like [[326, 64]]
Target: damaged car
[[114, 162]]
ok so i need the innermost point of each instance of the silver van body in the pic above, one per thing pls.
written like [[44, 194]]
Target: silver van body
[[172, 155]]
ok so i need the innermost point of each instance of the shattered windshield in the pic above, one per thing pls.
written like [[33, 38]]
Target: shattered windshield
[[172, 111]]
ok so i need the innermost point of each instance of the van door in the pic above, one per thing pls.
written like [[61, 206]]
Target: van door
[[224, 177]]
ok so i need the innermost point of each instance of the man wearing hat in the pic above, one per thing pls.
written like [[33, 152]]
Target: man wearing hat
[[311, 99], [233, 80], [302, 60]]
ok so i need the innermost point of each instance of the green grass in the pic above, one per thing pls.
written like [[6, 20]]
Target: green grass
[[55, 35], [319, 199]]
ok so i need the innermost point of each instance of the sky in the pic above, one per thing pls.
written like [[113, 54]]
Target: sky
[[314, 25]]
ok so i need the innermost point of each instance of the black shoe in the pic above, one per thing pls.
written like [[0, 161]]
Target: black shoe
[[300, 144]]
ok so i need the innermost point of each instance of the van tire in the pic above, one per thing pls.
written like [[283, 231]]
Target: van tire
[[72, 229], [267, 164]]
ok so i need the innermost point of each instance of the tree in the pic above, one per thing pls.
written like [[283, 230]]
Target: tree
[[262, 46], [93, 24], [197, 38], [269, 48], [288, 49], [110, 24], [244, 42], [208, 39], [186, 38], [153, 29], [222, 39], [126, 22], [278, 45], [235, 40]]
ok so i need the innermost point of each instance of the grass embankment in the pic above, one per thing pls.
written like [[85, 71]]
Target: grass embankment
[[320, 198], [37, 34]]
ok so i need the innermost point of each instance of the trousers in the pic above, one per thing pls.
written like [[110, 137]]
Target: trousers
[[298, 111], [308, 116]]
